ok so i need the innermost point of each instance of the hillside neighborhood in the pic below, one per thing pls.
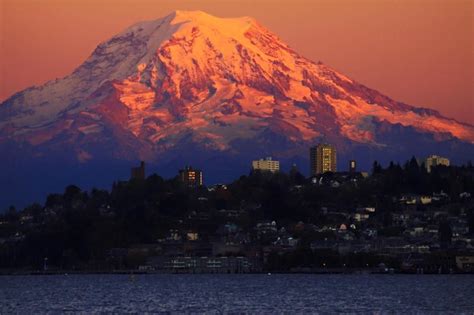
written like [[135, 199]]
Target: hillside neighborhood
[[397, 219]]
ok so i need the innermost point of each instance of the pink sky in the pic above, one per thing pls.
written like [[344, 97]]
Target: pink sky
[[416, 51]]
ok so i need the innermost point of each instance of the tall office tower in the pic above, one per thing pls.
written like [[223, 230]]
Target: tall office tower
[[191, 177], [322, 159]]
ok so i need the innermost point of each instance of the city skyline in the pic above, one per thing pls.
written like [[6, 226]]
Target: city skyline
[[323, 157]]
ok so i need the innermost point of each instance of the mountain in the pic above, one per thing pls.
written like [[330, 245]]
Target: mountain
[[191, 88]]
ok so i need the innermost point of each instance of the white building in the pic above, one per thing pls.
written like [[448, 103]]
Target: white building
[[435, 160], [266, 164]]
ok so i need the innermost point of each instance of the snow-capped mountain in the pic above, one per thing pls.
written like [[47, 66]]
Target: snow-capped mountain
[[191, 88]]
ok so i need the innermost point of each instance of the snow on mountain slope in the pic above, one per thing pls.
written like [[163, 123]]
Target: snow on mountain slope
[[213, 81]]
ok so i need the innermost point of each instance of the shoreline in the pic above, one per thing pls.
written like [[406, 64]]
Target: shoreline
[[138, 272]]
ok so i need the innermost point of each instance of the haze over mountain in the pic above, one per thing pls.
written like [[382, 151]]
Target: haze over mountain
[[191, 88]]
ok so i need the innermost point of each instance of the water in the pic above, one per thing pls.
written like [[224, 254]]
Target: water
[[237, 294]]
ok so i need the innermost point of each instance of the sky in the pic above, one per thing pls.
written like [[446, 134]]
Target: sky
[[416, 51]]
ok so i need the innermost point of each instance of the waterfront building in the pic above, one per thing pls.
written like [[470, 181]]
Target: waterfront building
[[203, 264], [465, 263], [322, 159]]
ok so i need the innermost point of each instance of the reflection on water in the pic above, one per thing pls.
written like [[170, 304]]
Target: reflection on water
[[236, 293]]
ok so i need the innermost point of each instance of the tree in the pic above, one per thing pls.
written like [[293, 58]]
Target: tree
[[445, 233], [471, 220], [376, 168]]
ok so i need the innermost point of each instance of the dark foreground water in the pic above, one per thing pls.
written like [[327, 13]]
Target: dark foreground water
[[237, 294]]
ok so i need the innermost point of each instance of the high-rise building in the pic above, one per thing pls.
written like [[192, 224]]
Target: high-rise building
[[266, 164], [435, 160], [322, 159], [352, 166], [191, 177], [138, 172]]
